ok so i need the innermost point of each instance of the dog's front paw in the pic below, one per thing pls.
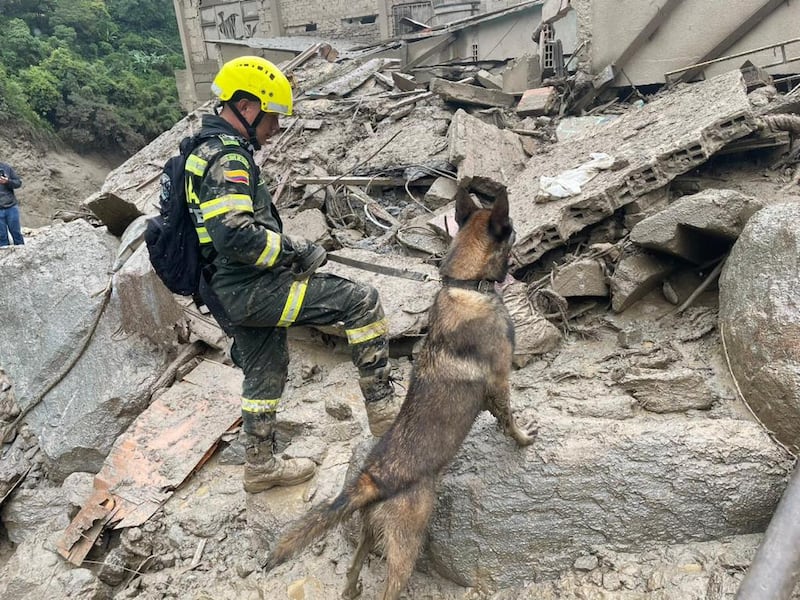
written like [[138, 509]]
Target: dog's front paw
[[526, 434]]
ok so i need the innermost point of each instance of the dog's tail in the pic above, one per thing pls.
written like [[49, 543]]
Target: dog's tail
[[362, 492]]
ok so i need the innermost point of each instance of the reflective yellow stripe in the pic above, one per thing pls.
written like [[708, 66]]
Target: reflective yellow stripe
[[367, 332], [259, 406], [293, 303], [271, 251], [223, 204], [196, 165], [202, 235]]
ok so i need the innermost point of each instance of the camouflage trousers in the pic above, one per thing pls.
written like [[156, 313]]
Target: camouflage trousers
[[262, 311]]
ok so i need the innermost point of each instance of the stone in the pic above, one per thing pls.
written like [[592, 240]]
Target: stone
[[759, 318]]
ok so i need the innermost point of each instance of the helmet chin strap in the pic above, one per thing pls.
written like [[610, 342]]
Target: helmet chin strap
[[250, 128]]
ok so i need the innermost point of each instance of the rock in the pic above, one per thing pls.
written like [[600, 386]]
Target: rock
[[592, 481], [760, 318]]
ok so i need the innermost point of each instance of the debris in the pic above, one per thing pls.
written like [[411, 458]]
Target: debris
[[462, 93], [635, 276], [487, 172], [442, 192], [489, 80], [163, 446], [697, 228], [669, 391], [521, 74], [584, 277], [537, 102], [114, 212], [652, 145]]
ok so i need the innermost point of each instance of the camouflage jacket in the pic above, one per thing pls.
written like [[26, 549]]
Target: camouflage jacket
[[239, 228]]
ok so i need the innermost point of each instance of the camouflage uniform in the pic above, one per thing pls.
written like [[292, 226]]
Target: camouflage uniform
[[241, 238]]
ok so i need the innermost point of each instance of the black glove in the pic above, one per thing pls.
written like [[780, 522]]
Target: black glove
[[308, 257]]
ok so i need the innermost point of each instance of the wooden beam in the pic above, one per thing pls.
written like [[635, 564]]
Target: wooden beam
[[734, 36]]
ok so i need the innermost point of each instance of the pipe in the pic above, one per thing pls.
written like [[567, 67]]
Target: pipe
[[773, 573]]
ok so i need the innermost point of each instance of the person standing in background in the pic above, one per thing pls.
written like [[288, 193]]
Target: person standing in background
[[9, 206]]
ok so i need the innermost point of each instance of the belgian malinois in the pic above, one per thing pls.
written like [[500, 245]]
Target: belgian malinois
[[462, 369]]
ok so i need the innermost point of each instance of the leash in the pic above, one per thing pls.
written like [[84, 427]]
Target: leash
[[391, 271], [484, 286]]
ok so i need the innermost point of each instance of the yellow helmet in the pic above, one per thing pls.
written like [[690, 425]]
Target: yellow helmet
[[257, 76]]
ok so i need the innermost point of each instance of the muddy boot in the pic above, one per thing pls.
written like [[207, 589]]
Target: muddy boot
[[263, 470], [379, 400]]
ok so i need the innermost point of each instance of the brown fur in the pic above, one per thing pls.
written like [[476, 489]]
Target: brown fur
[[462, 370]]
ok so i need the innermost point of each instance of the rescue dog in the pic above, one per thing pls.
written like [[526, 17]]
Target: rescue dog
[[462, 369]]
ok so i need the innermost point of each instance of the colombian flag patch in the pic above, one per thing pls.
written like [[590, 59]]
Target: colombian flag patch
[[237, 176]]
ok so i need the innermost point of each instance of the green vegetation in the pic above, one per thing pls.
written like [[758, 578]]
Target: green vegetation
[[98, 73]]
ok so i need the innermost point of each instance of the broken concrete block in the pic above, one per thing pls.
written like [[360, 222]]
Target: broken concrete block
[[114, 212], [585, 277], [652, 145], [311, 225], [489, 80], [698, 228], [522, 73], [637, 275], [442, 192], [670, 391], [405, 83], [759, 319], [646, 205], [483, 171], [463, 93], [538, 101]]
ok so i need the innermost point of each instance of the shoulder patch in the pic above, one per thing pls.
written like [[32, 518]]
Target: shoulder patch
[[237, 176]]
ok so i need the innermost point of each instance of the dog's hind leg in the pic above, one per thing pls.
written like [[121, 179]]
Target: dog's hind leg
[[404, 519], [365, 544]]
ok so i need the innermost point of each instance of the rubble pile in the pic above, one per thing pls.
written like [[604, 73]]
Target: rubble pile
[[660, 457]]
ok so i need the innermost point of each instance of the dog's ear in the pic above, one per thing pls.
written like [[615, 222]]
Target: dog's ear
[[465, 205], [499, 223]]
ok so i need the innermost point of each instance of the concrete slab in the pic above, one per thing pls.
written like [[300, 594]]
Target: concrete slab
[[463, 93], [652, 145], [487, 172], [699, 227]]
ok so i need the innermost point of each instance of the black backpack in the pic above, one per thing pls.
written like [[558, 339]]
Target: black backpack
[[170, 236]]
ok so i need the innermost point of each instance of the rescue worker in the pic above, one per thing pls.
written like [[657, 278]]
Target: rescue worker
[[262, 281], [9, 206]]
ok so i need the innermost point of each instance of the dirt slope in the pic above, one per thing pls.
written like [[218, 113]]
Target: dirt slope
[[55, 179]]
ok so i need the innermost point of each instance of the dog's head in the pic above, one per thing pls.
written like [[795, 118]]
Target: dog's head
[[484, 240]]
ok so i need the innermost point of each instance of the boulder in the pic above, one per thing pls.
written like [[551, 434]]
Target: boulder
[[759, 318]]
